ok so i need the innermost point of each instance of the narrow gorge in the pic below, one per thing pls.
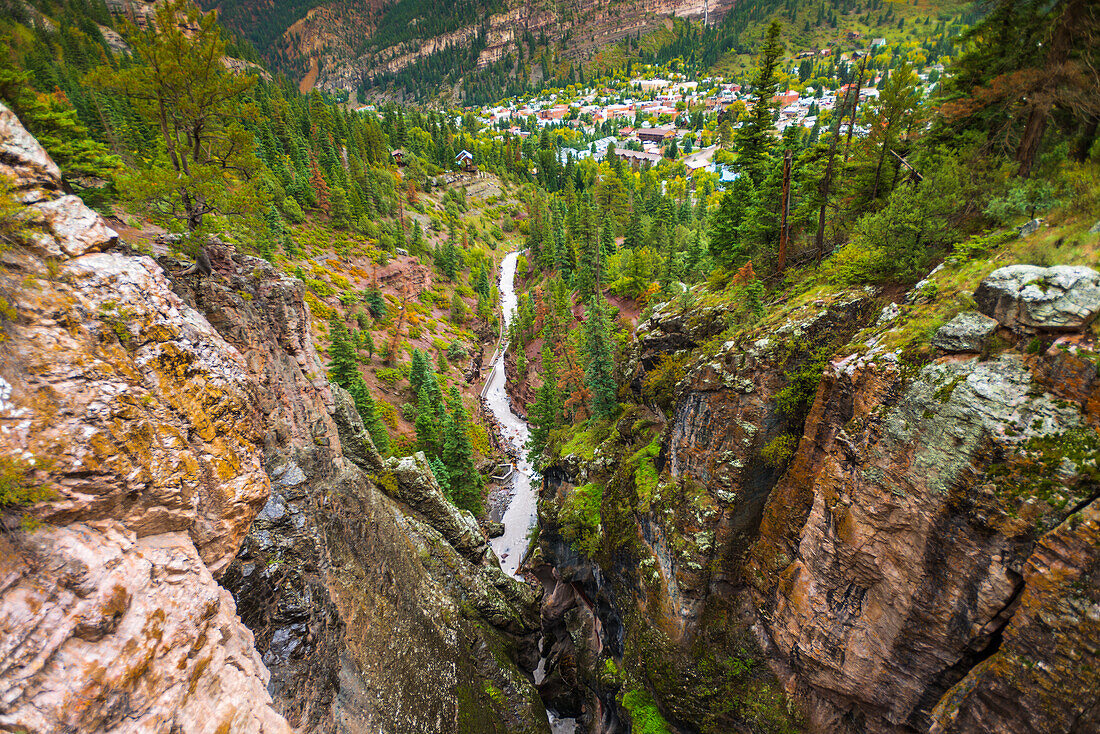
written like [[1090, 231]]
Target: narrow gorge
[[742, 378]]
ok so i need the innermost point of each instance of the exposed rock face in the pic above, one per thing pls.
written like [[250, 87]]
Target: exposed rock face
[[660, 597], [138, 417], [333, 32], [377, 606], [106, 631], [927, 559], [887, 560], [64, 227], [163, 421], [967, 332], [1029, 298]]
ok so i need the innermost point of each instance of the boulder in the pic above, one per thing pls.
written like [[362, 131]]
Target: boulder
[[1030, 228], [967, 332], [1029, 298]]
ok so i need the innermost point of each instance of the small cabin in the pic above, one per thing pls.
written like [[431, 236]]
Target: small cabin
[[465, 161], [398, 157]]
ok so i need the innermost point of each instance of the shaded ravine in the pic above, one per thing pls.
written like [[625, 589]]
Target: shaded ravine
[[522, 511]]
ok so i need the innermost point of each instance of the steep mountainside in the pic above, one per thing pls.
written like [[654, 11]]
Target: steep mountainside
[[920, 555], [353, 41], [157, 415]]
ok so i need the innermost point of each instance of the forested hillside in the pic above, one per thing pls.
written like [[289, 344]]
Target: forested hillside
[[812, 393]]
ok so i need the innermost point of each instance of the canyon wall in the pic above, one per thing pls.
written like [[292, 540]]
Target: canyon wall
[[816, 529], [136, 421], [168, 432], [333, 33]]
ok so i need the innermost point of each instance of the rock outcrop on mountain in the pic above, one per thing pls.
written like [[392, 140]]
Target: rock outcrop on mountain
[[131, 414], [914, 550], [334, 35], [180, 431]]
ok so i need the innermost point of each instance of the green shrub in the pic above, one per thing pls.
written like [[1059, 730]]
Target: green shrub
[[388, 375], [794, 400], [18, 488], [580, 518], [777, 452], [387, 413], [659, 384]]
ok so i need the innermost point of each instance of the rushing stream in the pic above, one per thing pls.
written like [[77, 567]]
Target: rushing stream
[[522, 512]]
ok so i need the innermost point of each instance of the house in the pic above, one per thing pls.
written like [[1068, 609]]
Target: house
[[398, 157], [785, 99], [656, 135], [878, 42], [465, 159], [638, 158]]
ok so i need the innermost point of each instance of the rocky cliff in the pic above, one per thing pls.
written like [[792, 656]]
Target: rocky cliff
[[826, 522], [163, 433], [137, 421], [335, 33]]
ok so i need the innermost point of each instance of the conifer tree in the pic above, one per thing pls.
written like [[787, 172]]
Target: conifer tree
[[544, 414], [754, 138], [344, 371], [418, 371], [341, 212], [600, 371], [458, 457], [441, 475], [197, 106], [428, 423], [725, 243]]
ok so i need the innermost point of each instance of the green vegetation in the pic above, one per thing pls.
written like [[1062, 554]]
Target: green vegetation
[[1059, 470], [579, 518], [208, 165], [344, 371], [18, 486], [645, 718], [777, 452]]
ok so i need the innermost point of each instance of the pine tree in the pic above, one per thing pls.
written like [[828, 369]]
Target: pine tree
[[341, 212], [725, 243], [428, 423], [196, 105], [344, 371], [441, 475], [754, 138], [458, 457], [601, 380], [364, 403], [418, 371], [342, 366], [481, 282]]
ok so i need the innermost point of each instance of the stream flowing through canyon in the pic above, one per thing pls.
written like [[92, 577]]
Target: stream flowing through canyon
[[521, 514]]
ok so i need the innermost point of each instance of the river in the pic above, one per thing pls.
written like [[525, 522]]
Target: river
[[522, 512]]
